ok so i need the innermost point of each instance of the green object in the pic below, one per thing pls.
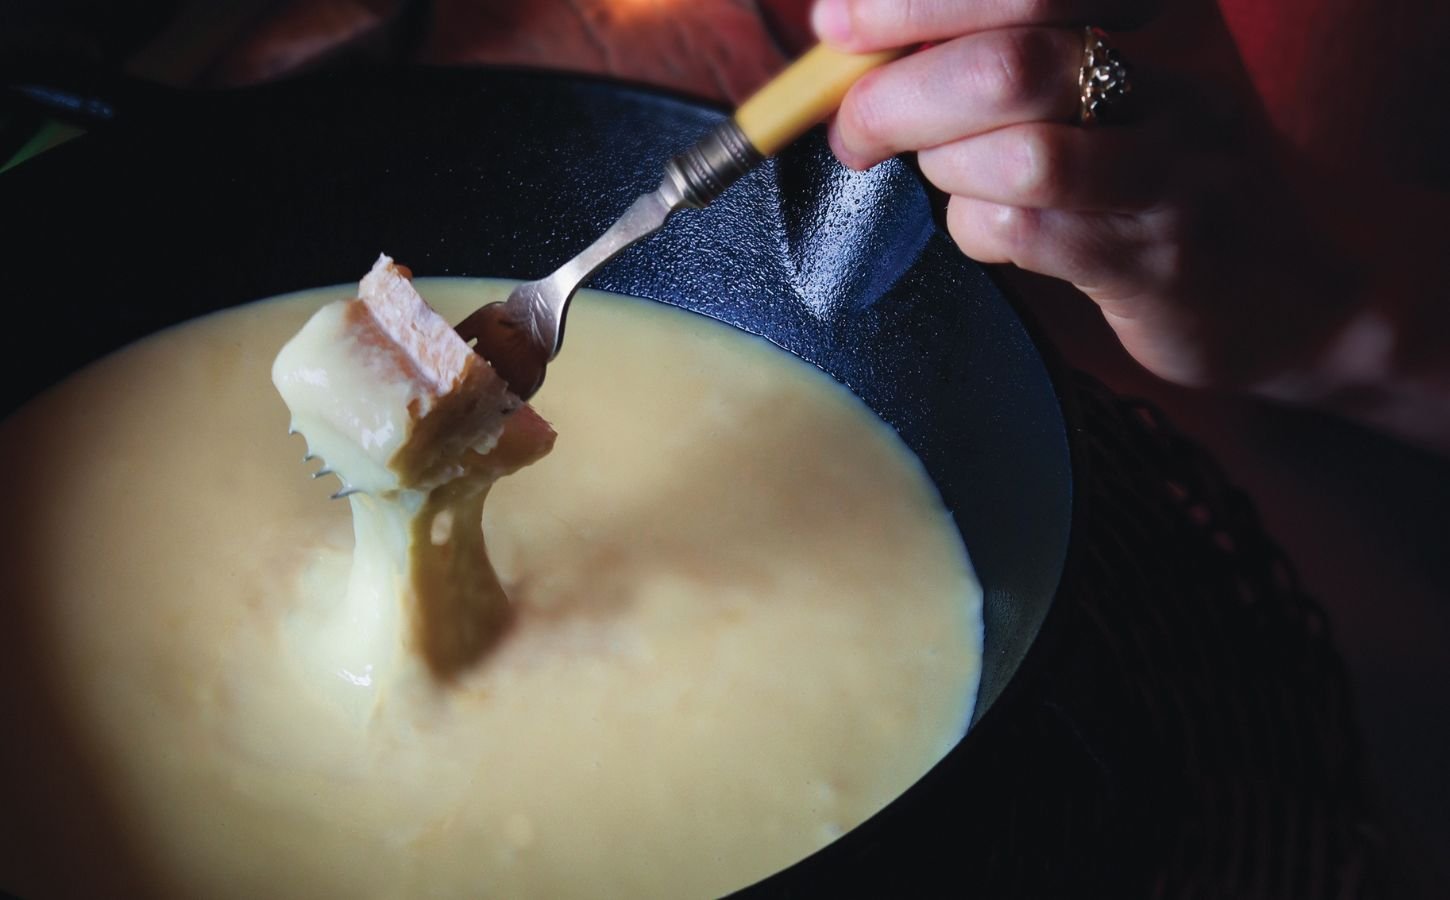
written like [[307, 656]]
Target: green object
[[50, 134]]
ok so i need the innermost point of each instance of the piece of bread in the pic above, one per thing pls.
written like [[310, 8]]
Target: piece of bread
[[389, 396]]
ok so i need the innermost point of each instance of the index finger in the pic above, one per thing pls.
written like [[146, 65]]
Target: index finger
[[864, 25]]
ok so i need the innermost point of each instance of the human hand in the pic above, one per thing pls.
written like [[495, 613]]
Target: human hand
[[1182, 224], [1304, 261]]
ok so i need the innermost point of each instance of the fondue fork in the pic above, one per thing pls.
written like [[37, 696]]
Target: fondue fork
[[521, 335]]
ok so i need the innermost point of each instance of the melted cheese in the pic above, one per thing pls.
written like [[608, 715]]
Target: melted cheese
[[402, 411], [741, 623]]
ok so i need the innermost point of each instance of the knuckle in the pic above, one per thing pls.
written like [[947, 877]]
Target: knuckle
[[1006, 233], [996, 74], [1164, 240], [1016, 230], [992, 233], [1001, 73], [1037, 168]]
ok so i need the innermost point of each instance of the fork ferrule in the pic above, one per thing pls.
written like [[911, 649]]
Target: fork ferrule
[[716, 161]]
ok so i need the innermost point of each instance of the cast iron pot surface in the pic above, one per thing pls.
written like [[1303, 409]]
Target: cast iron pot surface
[[197, 205]]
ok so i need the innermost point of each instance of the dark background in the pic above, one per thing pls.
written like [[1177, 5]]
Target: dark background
[[1363, 517]]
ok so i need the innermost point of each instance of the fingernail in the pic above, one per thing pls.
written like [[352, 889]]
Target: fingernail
[[831, 21]]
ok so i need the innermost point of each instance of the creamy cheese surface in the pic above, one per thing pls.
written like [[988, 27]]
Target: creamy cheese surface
[[742, 623]]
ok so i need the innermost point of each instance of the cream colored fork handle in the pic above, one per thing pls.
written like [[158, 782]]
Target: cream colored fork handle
[[805, 93]]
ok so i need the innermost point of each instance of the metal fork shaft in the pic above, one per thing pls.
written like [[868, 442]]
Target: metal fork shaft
[[521, 335]]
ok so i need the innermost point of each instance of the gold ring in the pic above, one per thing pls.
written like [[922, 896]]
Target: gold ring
[[1103, 81]]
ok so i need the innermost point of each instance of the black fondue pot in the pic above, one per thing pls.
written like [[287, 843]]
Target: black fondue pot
[[192, 204]]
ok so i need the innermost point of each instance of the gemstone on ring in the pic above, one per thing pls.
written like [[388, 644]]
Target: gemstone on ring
[[1104, 80]]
